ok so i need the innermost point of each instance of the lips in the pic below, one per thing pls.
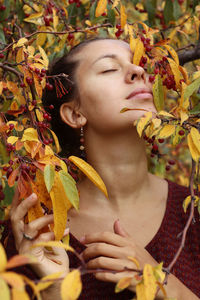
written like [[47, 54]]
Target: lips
[[140, 93]]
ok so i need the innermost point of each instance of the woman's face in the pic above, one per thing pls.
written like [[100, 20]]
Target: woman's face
[[108, 82]]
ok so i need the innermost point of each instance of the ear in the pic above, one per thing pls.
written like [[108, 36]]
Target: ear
[[71, 115]]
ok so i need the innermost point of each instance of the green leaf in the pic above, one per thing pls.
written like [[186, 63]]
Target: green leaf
[[19, 10], [151, 10], [70, 188], [190, 89], [92, 11], [2, 36], [4, 14], [111, 14], [195, 110], [49, 174], [168, 11], [176, 10], [72, 13], [158, 93]]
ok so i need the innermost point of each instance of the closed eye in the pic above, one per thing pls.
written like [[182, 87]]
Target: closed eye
[[111, 70]]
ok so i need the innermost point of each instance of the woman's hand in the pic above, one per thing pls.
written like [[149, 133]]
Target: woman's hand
[[26, 235], [110, 251]]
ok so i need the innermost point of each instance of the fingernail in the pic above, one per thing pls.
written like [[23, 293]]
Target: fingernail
[[82, 239]]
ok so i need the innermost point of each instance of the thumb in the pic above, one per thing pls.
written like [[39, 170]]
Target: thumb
[[118, 229]]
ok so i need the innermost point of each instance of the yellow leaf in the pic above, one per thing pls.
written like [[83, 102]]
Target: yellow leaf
[[175, 70], [4, 290], [3, 260], [88, 23], [41, 38], [19, 294], [71, 286], [158, 271], [156, 123], [195, 137], [43, 285], [139, 51], [44, 56], [101, 7], [123, 16], [166, 131], [173, 53], [115, 3], [48, 150], [20, 43], [58, 149], [184, 116], [13, 279], [12, 86], [123, 284], [54, 244], [12, 139], [193, 150], [140, 291], [197, 24], [34, 18], [61, 205], [30, 134], [39, 115], [31, 50], [135, 261], [55, 19], [132, 39], [20, 56], [1, 87], [89, 171], [149, 282], [184, 73], [63, 166], [165, 114], [186, 203], [143, 122], [184, 103]]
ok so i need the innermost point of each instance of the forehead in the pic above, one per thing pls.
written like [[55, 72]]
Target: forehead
[[94, 50]]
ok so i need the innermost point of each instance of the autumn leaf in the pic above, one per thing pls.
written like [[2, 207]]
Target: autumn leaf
[[19, 260], [89, 171], [149, 282], [44, 56], [140, 291], [70, 188], [158, 93], [12, 177], [71, 286], [115, 3], [101, 7], [166, 131], [193, 149], [123, 284], [135, 261], [61, 205], [19, 294], [45, 281], [143, 122], [139, 51], [30, 134], [49, 173], [13, 279], [12, 139], [53, 244], [58, 149], [173, 53], [123, 16], [190, 89], [175, 70], [20, 43], [4, 290], [3, 261]]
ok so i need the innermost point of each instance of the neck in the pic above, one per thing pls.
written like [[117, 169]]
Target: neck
[[120, 160]]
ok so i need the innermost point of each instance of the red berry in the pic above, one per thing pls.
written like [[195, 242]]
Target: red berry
[[43, 71], [164, 72], [46, 20], [50, 140], [167, 168], [164, 58], [45, 116], [79, 4], [49, 86], [5, 168], [161, 141], [71, 1], [51, 106], [142, 38], [49, 118], [180, 2], [11, 162], [171, 162], [11, 126], [144, 59], [1, 187], [117, 34], [156, 71], [144, 31], [37, 70], [181, 132], [22, 85], [2, 196], [46, 141], [148, 41], [118, 26], [70, 36], [2, 7], [29, 80], [151, 78], [34, 102], [148, 48], [1, 55]]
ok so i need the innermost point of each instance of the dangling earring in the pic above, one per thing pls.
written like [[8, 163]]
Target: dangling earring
[[82, 148]]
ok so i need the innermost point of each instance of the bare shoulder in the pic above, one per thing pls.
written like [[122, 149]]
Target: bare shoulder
[[159, 185]]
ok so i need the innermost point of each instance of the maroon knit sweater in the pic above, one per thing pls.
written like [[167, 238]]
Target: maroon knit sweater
[[162, 247]]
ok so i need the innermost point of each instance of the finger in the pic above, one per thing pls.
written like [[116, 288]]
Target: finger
[[118, 229], [22, 209], [105, 237], [108, 263], [26, 246], [110, 277], [102, 249], [33, 227]]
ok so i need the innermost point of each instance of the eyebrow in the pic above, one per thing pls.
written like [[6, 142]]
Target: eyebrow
[[113, 56]]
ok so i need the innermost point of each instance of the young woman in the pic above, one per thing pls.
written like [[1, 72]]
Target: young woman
[[143, 215]]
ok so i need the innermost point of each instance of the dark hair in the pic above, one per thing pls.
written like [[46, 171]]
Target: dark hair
[[65, 89]]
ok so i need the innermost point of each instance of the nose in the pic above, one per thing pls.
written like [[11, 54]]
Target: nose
[[134, 73]]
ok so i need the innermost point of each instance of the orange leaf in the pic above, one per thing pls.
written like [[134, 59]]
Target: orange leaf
[[71, 286], [12, 177], [13, 279], [19, 294], [3, 261], [101, 7], [123, 16], [19, 260]]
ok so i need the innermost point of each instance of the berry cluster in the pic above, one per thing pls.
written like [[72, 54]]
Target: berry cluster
[[119, 31], [2, 7], [146, 42], [28, 170]]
